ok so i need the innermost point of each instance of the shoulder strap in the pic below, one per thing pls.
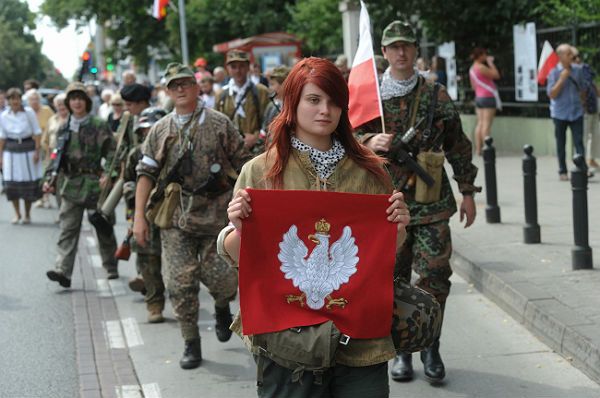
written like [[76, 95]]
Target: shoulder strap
[[432, 104]]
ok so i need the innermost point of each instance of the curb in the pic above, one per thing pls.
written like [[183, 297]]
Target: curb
[[541, 313]]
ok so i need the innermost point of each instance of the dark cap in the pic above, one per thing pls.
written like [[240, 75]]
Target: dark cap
[[78, 88], [237, 55], [149, 117], [136, 93], [398, 31], [175, 70]]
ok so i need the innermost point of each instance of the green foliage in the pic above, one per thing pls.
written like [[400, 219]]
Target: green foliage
[[20, 54], [568, 12], [319, 24]]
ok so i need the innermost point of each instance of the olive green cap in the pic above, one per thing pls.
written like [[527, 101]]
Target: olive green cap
[[398, 31], [280, 72], [175, 70], [79, 88], [237, 55]]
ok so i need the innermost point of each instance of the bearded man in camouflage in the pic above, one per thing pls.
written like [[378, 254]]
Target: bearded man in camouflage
[[421, 122], [201, 151]]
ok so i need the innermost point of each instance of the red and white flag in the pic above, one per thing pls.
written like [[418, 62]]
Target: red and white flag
[[159, 9], [548, 60], [311, 256], [365, 102]]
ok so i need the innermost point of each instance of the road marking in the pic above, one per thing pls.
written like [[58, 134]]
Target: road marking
[[103, 288], [96, 260], [91, 241], [113, 334], [129, 391], [132, 332], [117, 287], [151, 390]]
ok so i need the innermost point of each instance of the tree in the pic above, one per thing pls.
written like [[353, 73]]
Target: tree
[[319, 24], [21, 57]]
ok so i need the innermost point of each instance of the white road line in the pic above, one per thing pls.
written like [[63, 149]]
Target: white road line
[[117, 287], [103, 288], [129, 391], [132, 332], [113, 334], [151, 390], [96, 260], [91, 241]]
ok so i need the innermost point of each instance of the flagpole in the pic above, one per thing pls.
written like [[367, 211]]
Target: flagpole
[[183, 33]]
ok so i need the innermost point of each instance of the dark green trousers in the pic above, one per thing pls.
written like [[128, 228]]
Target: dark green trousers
[[337, 382]]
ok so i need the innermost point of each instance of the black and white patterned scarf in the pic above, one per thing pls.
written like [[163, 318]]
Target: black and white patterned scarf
[[391, 87], [323, 162]]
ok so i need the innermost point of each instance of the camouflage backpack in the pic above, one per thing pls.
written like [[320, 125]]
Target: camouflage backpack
[[417, 319]]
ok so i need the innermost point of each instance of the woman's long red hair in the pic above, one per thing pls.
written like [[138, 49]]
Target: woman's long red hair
[[328, 78]]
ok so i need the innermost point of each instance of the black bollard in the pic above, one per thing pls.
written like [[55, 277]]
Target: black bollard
[[531, 230], [581, 254], [492, 211]]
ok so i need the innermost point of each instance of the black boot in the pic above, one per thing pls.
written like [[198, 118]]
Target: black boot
[[59, 277], [402, 369], [192, 355], [224, 320], [432, 363]]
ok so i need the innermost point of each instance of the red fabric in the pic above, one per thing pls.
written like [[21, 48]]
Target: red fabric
[[364, 96], [548, 60], [264, 287], [159, 9]]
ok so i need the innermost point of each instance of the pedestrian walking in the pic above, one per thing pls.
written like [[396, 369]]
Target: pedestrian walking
[[422, 123], [242, 101], [148, 262], [20, 138], [313, 149], [482, 74], [189, 157], [276, 79], [565, 85], [85, 151]]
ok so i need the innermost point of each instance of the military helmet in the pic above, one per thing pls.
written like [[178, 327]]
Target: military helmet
[[149, 117], [78, 87]]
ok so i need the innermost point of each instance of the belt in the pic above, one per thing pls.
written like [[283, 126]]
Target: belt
[[20, 140]]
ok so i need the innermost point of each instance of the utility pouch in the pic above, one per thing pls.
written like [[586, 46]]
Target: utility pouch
[[161, 214], [433, 163], [417, 318], [307, 348]]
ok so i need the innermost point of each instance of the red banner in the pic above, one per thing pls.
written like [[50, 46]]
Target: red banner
[[310, 256]]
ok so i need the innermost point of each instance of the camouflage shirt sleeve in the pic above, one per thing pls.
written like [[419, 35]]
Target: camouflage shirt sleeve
[[233, 145], [457, 146], [365, 132], [153, 151]]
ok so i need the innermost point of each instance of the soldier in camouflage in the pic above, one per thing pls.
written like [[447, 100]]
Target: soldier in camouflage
[[200, 150], [407, 100], [148, 261], [89, 142], [242, 101]]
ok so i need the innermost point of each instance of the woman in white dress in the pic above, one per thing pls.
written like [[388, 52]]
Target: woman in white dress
[[20, 137]]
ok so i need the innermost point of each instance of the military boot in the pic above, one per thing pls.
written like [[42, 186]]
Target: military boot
[[402, 369], [192, 354], [155, 313], [224, 320], [432, 363], [59, 277]]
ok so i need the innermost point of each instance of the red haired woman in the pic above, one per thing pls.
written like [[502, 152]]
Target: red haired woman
[[313, 149]]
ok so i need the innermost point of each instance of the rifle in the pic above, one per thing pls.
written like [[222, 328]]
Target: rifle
[[57, 157]]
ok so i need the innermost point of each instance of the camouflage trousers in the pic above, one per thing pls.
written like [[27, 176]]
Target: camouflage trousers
[[427, 251], [190, 259], [149, 266], [71, 216]]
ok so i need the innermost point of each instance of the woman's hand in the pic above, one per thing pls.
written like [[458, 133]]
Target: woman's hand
[[398, 210], [239, 208]]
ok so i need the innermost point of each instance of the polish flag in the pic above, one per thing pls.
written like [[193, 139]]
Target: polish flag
[[159, 9], [548, 60], [365, 103]]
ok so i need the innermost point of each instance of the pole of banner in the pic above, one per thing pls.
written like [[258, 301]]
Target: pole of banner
[[183, 33]]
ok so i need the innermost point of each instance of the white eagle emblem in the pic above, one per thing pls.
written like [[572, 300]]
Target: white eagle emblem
[[324, 270]]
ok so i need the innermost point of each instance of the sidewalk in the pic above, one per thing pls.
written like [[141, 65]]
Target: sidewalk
[[535, 283]]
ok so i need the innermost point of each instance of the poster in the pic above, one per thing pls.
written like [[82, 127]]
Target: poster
[[448, 52], [526, 88]]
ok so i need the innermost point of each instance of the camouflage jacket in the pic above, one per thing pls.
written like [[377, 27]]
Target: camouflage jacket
[[81, 164], [130, 177], [214, 140], [254, 106], [347, 177], [446, 135]]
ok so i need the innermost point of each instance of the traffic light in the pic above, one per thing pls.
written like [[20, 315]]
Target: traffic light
[[86, 57], [109, 65], [93, 70]]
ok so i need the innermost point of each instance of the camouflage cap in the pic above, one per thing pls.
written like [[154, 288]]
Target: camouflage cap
[[398, 31], [237, 55], [280, 72], [175, 70], [79, 88]]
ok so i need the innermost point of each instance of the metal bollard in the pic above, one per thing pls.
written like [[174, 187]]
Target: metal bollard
[[531, 230], [492, 211], [581, 254]]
